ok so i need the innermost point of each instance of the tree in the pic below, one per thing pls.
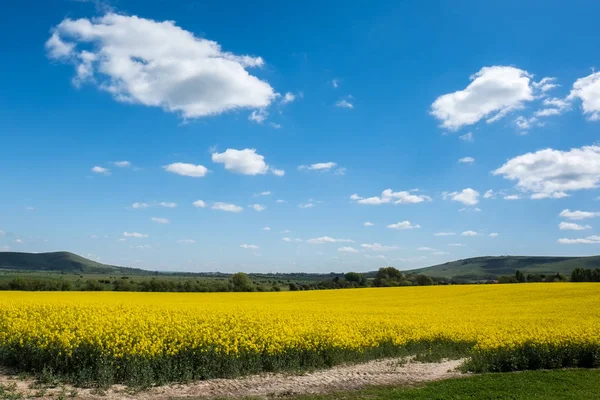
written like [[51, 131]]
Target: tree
[[424, 280], [520, 276], [355, 277], [241, 282], [388, 276]]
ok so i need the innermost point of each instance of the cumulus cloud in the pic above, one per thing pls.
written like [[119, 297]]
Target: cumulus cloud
[[323, 166], [378, 247], [288, 98], [160, 220], [466, 196], [553, 172], [586, 240], [100, 170], [456, 245], [245, 162], [493, 93], [138, 205], [134, 235], [571, 226], [186, 241], [185, 169], [566, 213], [444, 234], [344, 103], [489, 194], [306, 205], [347, 249], [249, 246], [327, 239], [257, 207], [227, 207], [587, 89], [199, 204], [466, 160], [424, 248], [403, 225], [267, 193], [493, 234], [168, 204], [368, 224], [554, 195], [266, 228], [512, 197], [122, 164], [388, 196], [258, 116], [158, 64], [467, 137], [469, 233]]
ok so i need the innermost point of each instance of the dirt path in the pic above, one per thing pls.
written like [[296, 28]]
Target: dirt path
[[382, 372]]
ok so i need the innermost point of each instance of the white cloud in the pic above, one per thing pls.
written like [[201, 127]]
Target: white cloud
[[279, 201], [186, 241], [425, 249], [512, 197], [368, 224], [444, 234], [199, 204], [134, 235], [138, 205], [440, 253], [167, 204], [469, 233], [267, 193], [489, 195], [288, 98], [18, 241], [266, 228], [466, 160], [570, 226], [467, 137], [403, 225], [323, 166], [466, 196], [275, 126], [547, 112], [340, 171], [378, 247], [456, 245], [545, 84], [549, 171], [122, 164], [227, 207], [277, 172], [347, 249], [524, 124], [587, 89], [578, 214], [306, 205], [493, 93], [158, 64], [249, 246], [100, 170], [493, 234], [195, 171], [327, 239], [554, 195], [388, 196], [141, 246], [335, 83], [245, 162], [160, 220], [343, 103], [257, 207], [258, 116], [586, 240]]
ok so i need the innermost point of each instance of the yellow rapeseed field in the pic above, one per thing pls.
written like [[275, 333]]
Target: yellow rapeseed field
[[123, 326]]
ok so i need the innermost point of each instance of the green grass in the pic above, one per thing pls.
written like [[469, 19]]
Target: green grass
[[573, 384]]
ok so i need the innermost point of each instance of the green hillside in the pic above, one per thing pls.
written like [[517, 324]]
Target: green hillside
[[486, 268], [61, 261]]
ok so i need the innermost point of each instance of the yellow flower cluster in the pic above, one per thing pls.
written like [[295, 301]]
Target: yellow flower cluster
[[163, 324]]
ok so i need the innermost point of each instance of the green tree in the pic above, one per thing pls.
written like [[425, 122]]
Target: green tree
[[241, 282], [355, 277], [520, 276], [424, 280], [388, 276]]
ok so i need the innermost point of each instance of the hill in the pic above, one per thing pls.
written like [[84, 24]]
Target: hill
[[487, 268], [61, 261]]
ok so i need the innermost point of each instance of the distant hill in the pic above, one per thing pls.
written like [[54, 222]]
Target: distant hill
[[61, 261], [487, 268]]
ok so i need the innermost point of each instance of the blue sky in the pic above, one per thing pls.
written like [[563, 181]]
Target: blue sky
[[170, 135]]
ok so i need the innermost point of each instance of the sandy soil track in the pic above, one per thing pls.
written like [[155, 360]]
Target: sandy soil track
[[381, 372]]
